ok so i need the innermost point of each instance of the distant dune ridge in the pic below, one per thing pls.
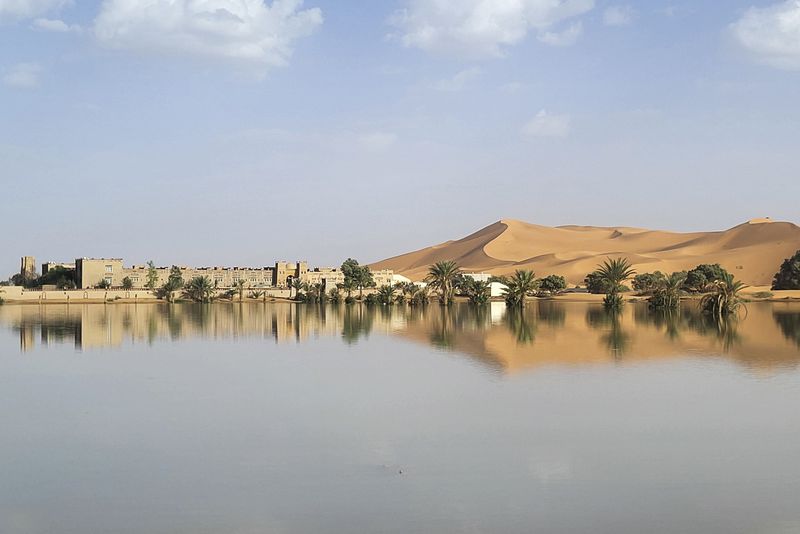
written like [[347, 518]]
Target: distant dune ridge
[[753, 251]]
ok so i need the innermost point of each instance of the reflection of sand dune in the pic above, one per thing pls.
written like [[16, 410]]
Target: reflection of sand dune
[[753, 251], [584, 334], [545, 333]]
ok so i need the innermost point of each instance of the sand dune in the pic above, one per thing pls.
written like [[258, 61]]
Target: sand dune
[[753, 251]]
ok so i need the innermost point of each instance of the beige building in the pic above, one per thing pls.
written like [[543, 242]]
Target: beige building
[[285, 272], [28, 266], [384, 277], [92, 272], [328, 277], [89, 272]]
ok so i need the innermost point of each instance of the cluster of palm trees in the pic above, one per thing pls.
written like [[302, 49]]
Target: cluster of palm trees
[[722, 297]]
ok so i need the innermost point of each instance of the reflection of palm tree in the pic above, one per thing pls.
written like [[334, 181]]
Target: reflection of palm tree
[[670, 319], [609, 321], [725, 330], [442, 334], [521, 326], [551, 313], [789, 323], [357, 322]]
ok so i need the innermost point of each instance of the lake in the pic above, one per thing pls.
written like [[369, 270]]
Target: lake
[[285, 418]]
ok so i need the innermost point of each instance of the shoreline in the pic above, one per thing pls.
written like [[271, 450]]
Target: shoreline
[[58, 298]]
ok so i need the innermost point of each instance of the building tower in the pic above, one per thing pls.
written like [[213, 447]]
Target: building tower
[[28, 267]]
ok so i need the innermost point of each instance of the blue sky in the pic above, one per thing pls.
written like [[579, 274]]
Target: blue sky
[[243, 131]]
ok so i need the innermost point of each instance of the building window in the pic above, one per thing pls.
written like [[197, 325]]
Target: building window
[[108, 280], [109, 268]]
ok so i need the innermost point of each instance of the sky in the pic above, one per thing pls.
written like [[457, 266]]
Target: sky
[[240, 132]]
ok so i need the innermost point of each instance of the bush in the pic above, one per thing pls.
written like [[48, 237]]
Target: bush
[[595, 283], [553, 284], [646, 283], [699, 278], [788, 277]]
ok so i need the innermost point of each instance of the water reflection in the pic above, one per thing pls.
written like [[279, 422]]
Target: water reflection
[[789, 323], [544, 333]]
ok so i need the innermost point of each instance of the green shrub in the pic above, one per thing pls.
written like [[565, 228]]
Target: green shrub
[[788, 277], [553, 284], [699, 278], [646, 283], [595, 283]]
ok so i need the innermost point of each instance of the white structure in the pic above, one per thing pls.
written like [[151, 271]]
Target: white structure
[[400, 279], [497, 289], [479, 277]]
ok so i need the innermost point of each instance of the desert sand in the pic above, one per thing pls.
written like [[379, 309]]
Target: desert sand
[[753, 251]]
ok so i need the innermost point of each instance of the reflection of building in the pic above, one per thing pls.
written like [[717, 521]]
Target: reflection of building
[[91, 326]]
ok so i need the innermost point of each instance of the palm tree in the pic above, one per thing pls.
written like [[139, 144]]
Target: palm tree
[[386, 294], [442, 276], [239, 286], [199, 289], [723, 300], [297, 285], [612, 273], [519, 286], [667, 293], [478, 291]]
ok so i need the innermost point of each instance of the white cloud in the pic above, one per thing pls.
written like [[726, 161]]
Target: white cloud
[[479, 29], [23, 76], [26, 9], [565, 37], [459, 81], [618, 15], [249, 31], [377, 141], [772, 34], [55, 25], [546, 125]]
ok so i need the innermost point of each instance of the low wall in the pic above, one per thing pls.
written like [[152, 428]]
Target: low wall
[[15, 294]]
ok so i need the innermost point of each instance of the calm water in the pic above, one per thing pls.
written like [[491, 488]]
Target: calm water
[[261, 418]]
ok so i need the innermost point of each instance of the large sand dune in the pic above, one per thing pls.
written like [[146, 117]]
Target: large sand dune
[[753, 251]]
